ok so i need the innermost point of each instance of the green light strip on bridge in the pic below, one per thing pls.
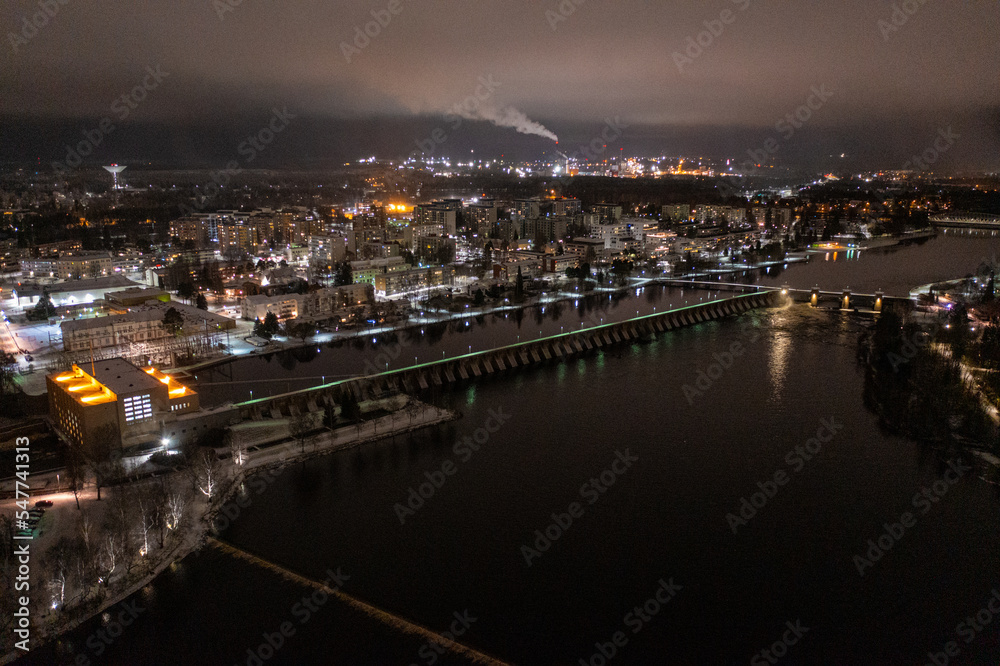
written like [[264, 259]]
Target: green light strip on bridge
[[514, 346]]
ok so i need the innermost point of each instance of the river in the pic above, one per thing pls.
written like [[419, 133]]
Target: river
[[672, 460]]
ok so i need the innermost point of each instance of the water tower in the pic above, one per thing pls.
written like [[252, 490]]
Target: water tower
[[114, 169]]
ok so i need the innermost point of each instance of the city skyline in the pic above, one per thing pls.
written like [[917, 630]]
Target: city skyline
[[552, 332]]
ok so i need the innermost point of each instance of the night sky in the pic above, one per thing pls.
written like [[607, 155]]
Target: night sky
[[890, 87]]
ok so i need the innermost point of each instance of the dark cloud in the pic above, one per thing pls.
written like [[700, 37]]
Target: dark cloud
[[602, 59]]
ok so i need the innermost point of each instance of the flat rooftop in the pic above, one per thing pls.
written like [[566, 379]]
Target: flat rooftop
[[121, 377], [108, 320]]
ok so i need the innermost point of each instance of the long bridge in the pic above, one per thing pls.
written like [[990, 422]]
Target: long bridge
[[591, 339], [845, 299], [521, 354], [958, 220]]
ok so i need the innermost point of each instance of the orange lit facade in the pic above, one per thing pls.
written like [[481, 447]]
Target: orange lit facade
[[137, 402]]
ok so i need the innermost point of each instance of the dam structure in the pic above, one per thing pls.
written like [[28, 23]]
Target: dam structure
[[377, 385]]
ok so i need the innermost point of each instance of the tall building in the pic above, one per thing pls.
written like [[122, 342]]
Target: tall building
[[236, 238], [566, 207], [526, 208], [607, 212], [191, 229], [327, 249], [482, 218], [438, 214]]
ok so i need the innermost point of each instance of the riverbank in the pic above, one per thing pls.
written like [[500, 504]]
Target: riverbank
[[918, 389], [200, 512]]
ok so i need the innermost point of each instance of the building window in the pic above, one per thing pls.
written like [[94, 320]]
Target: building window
[[137, 408]]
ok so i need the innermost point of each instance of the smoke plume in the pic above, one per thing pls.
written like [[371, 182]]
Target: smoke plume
[[506, 117]]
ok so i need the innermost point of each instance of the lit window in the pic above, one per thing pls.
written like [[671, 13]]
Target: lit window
[[138, 408]]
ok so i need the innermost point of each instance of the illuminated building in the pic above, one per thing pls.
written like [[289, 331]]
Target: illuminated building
[[69, 266], [135, 402], [440, 214], [416, 279]]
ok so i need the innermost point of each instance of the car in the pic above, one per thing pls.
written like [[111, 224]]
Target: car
[[43, 504]]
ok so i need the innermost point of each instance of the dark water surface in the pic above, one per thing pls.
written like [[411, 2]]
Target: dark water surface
[[895, 270], [664, 518]]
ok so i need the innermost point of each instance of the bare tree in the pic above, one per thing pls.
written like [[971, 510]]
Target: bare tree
[[159, 497], [86, 529], [108, 558], [299, 427], [175, 510], [147, 520], [87, 560], [206, 471], [122, 520], [76, 471], [57, 563], [237, 448], [104, 453]]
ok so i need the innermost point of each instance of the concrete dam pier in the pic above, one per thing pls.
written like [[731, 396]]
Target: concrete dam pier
[[555, 348]]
